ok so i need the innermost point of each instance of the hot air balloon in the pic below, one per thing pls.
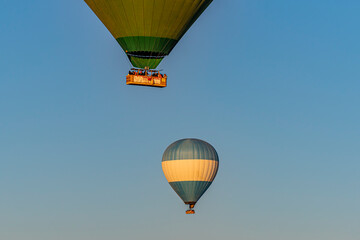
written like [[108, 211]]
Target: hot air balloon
[[147, 30], [190, 166]]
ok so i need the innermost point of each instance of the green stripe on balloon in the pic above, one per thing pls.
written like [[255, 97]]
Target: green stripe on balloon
[[151, 63], [147, 44]]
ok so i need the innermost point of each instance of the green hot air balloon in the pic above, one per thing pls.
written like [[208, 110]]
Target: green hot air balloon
[[190, 166], [147, 30]]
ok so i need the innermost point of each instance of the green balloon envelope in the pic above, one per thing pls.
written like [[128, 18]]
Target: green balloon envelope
[[147, 30]]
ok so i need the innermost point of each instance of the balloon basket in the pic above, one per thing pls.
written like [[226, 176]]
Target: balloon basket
[[190, 211], [146, 77]]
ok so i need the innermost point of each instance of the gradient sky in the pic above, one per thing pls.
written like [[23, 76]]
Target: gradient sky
[[272, 85]]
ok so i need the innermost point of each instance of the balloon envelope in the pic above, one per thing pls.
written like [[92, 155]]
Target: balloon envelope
[[190, 166], [147, 30]]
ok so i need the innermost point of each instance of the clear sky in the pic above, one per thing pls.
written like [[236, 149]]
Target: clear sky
[[272, 85]]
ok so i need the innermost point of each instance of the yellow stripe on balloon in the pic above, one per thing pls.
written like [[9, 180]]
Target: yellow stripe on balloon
[[190, 170]]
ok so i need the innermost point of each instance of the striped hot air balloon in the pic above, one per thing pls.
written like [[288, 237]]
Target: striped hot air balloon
[[190, 166], [147, 30]]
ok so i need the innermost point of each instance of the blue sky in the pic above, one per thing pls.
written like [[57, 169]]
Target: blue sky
[[272, 85]]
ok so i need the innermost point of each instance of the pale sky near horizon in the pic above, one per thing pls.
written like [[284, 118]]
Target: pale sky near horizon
[[272, 85]]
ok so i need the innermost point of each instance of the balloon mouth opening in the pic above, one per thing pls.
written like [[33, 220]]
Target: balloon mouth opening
[[191, 204]]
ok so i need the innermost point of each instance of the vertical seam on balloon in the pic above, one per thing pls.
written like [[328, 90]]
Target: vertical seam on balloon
[[169, 29], [158, 39], [152, 18], [180, 23], [205, 3], [136, 23], [128, 21]]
